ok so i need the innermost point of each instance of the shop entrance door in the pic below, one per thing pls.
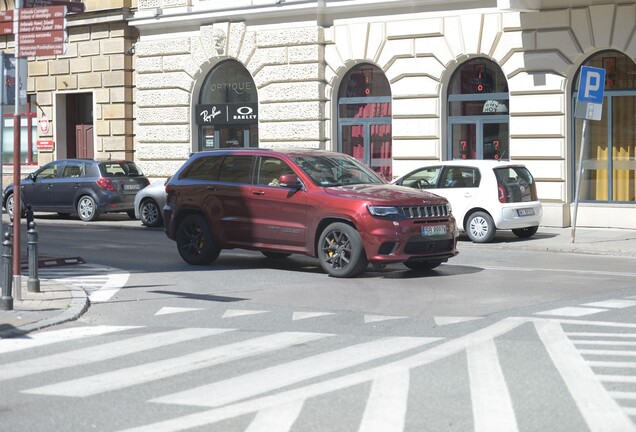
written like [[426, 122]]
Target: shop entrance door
[[215, 136]]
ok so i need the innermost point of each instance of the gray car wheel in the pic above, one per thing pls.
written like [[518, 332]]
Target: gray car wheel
[[341, 252], [9, 204], [150, 213], [87, 209], [480, 227]]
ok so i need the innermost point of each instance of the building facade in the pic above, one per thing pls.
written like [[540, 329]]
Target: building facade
[[391, 82], [80, 103]]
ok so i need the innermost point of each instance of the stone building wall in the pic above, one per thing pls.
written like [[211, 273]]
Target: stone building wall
[[286, 68], [298, 68], [98, 61]]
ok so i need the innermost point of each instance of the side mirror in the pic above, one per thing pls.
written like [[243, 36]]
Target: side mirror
[[290, 181], [31, 176]]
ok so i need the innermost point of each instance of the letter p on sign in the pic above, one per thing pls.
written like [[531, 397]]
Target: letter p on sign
[[591, 85]]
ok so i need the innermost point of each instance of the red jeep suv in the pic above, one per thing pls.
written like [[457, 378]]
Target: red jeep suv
[[312, 202]]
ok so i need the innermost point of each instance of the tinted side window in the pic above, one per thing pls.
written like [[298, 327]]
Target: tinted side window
[[461, 177], [424, 178], [270, 169], [516, 183], [236, 169], [206, 168], [49, 172], [120, 168], [73, 169]]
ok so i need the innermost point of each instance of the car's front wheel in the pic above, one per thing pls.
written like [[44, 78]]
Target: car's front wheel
[[423, 265], [9, 204], [480, 227], [195, 242], [525, 232], [150, 213], [87, 208], [341, 252]]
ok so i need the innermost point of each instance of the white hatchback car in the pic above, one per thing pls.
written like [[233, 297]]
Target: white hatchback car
[[486, 195]]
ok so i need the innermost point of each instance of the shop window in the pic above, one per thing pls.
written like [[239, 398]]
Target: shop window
[[227, 112], [364, 118], [478, 112], [609, 159]]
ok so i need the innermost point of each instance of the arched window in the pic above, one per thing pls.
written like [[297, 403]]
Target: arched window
[[609, 159], [478, 112], [227, 113], [364, 118]]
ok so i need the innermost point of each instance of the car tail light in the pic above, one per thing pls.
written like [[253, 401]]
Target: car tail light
[[502, 193], [105, 183]]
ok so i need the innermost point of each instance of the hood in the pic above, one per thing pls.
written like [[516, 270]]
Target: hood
[[386, 194]]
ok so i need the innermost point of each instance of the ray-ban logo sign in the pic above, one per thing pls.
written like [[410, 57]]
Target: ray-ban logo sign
[[222, 114]]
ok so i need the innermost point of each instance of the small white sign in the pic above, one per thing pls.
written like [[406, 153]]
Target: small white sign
[[45, 125]]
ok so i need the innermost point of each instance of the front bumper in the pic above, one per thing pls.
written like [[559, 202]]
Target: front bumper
[[399, 241]]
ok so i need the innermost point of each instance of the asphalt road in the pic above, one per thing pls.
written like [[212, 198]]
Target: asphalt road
[[494, 340]]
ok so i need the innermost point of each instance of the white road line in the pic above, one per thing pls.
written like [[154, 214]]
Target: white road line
[[603, 342], [608, 352], [612, 304], [387, 404], [115, 282], [492, 406], [276, 377], [594, 323], [553, 270], [612, 364], [599, 410], [617, 378], [623, 395], [571, 311], [438, 352], [102, 352], [147, 372], [609, 335], [33, 340], [276, 419]]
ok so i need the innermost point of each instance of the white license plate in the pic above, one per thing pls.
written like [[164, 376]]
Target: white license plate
[[132, 187], [525, 212], [434, 230]]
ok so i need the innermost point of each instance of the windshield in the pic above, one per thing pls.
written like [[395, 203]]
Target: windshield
[[336, 170], [120, 168]]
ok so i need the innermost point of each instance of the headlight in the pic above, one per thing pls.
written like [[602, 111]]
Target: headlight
[[384, 211]]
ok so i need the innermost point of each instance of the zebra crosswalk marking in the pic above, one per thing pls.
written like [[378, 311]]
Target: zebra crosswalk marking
[[102, 352], [492, 406], [276, 419], [599, 410], [387, 404], [148, 372], [276, 377], [34, 340], [437, 352]]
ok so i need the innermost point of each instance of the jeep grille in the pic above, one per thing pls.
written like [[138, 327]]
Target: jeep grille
[[426, 211]]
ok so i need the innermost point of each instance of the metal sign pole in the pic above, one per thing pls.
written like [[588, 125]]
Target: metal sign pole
[[579, 175], [17, 204]]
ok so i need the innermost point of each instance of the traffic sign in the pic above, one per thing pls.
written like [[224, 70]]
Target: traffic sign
[[591, 85], [72, 6], [40, 25], [36, 38]]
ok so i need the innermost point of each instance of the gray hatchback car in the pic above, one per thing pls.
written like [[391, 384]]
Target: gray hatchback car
[[83, 186]]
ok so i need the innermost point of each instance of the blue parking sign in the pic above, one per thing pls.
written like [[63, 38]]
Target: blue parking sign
[[591, 85]]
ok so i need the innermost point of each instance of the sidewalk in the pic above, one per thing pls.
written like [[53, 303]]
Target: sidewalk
[[57, 303]]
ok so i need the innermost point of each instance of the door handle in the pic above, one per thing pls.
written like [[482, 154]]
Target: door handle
[[258, 192], [211, 188]]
